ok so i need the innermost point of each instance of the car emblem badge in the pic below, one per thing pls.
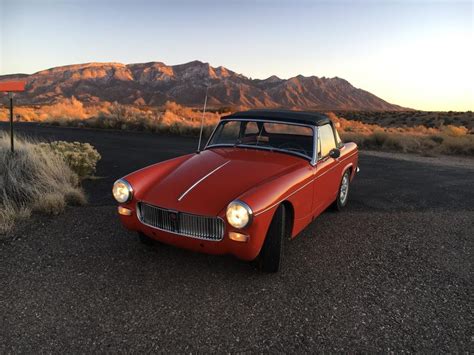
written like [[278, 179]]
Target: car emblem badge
[[174, 220]]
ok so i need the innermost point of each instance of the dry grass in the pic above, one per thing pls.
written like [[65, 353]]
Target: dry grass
[[412, 118], [67, 110], [450, 140], [427, 133], [34, 179], [169, 119]]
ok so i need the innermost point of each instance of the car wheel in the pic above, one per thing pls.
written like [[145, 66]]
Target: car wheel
[[146, 240], [343, 194], [272, 250]]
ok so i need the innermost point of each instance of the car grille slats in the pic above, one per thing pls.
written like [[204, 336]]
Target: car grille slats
[[186, 224]]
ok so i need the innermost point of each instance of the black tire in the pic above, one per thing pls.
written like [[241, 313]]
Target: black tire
[[146, 240], [341, 199], [272, 251]]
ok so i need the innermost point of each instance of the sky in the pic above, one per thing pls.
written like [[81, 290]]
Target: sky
[[417, 54]]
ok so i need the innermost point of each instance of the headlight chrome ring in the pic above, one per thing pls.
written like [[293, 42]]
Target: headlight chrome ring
[[239, 215], [122, 191]]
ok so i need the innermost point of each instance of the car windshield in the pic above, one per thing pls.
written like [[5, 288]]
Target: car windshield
[[286, 137]]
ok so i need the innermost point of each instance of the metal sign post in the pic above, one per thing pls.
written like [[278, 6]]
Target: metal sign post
[[11, 87], [12, 144]]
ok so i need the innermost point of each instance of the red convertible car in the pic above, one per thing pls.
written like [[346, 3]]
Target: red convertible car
[[262, 177]]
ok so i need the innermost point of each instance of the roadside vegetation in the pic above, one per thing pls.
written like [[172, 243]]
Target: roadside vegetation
[[426, 133], [170, 118], [449, 140], [82, 158], [428, 119], [41, 177]]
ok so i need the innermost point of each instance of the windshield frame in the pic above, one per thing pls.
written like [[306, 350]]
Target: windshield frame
[[312, 159]]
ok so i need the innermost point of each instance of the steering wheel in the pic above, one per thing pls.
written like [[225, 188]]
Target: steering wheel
[[294, 147]]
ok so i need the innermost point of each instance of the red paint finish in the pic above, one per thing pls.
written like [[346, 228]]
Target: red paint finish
[[262, 179]]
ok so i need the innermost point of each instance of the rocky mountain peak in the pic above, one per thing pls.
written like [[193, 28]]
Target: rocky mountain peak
[[154, 83]]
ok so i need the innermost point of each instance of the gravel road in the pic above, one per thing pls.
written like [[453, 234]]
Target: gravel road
[[393, 272]]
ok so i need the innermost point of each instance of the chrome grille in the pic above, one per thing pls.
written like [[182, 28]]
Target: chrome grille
[[189, 225]]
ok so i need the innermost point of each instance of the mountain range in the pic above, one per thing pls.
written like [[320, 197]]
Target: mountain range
[[155, 83]]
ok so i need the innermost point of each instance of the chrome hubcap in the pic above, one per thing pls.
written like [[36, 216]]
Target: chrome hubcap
[[344, 189]]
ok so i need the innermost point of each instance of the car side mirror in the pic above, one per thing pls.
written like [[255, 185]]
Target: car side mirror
[[335, 153]]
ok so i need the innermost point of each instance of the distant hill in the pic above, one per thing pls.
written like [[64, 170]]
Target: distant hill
[[155, 83]]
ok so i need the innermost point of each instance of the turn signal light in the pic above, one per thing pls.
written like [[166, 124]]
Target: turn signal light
[[238, 237], [124, 211]]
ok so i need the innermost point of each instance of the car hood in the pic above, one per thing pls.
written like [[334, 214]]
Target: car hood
[[207, 182]]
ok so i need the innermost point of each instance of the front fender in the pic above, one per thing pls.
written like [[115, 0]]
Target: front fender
[[271, 193], [265, 198]]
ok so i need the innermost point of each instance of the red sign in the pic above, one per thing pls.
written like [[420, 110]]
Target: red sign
[[12, 86]]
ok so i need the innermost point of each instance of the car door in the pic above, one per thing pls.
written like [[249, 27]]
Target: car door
[[327, 174]]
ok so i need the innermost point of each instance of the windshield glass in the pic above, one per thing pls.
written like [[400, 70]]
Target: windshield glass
[[295, 139]]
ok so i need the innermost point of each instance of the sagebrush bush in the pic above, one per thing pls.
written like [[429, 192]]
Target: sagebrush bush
[[33, 179], [81, 157], [454, 131], [458, 145]]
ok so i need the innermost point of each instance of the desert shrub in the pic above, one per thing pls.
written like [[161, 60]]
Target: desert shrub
[[419, 139], [413, 143], [463, 145], [74, 197], [454, 131], [33, 178], [394, 142], [82, 158], [53, 203], [437, 139], [8, 215], [357, 138], [379, 138], [172, 118], [68, 109], [370, 130]]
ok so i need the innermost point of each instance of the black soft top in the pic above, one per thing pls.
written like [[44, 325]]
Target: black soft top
[[310, 118]]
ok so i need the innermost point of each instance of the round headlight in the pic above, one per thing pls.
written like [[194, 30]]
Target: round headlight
[[122, 191], [239, 214]]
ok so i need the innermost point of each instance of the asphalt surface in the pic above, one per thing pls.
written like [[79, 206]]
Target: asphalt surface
[[393, 272]]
